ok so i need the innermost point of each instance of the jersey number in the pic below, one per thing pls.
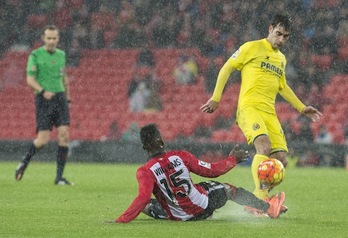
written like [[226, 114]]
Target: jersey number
[[176, 182]]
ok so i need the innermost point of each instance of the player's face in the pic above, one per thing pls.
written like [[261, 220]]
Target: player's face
[[277, 36], [50, 38]]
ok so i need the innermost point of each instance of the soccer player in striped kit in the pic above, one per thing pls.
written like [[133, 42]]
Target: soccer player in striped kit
[[167, 176]]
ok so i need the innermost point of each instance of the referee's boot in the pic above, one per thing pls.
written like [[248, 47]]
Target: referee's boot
[[62, 181], [20, 170]]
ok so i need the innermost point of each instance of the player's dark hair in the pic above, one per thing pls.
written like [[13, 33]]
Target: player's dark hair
[[282, 20], [149, 134], [50, 27]]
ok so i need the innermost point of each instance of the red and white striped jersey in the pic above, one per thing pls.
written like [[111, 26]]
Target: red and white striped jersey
[[167, 176]]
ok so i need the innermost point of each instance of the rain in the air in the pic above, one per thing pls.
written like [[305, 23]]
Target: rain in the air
[[82, 80]]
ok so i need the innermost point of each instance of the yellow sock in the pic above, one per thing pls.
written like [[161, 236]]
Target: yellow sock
[[260, 193]]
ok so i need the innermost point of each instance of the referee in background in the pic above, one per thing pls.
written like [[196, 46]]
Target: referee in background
[[46, 74]]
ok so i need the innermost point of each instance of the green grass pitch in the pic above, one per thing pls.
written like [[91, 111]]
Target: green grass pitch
[[317, 199]]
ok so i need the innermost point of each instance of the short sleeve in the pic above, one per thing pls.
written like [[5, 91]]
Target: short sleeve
[[32, 65]]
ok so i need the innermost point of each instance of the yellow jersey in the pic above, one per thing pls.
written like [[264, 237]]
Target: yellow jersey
[[263, 77]]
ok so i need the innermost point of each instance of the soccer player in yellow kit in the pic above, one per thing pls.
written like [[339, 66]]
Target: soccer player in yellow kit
[[262, 67]]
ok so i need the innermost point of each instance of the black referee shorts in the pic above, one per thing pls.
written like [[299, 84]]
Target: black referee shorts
[[217, 198], [54, 112]]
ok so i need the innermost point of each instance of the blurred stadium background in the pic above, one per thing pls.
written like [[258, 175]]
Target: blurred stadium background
[[107, 41]]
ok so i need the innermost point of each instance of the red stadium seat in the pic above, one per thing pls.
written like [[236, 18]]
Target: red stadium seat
[[315, 128], [338, 137], [322, 61], [75, 3], [343, 41], [62, 18], [323, 4], [343, 53], [188, 126], [168, 130], [219, 135], [37, 20], [102, 20], [232, 135], [109, 37], [236, 134], [112, 73]]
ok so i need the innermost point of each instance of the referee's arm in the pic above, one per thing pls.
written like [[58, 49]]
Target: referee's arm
[[31, 81], [67, 88]]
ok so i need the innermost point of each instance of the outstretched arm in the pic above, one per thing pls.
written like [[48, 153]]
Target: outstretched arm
[[308, 111], [290, 96], [143, 198], [212, 104], [212, 170]]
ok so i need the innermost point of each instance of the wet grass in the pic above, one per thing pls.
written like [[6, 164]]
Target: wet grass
[[34, 207]]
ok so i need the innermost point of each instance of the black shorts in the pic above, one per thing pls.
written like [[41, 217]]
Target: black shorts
[[54, 112], [217, 198]]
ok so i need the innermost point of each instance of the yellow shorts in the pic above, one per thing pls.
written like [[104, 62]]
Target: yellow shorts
[[254, 123]]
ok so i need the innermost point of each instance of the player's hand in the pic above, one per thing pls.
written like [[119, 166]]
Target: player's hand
[[210, 106], [240, 154], [312, 113]]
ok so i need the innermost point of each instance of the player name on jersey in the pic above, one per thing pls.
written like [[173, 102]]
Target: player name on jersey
[[165, 168]]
